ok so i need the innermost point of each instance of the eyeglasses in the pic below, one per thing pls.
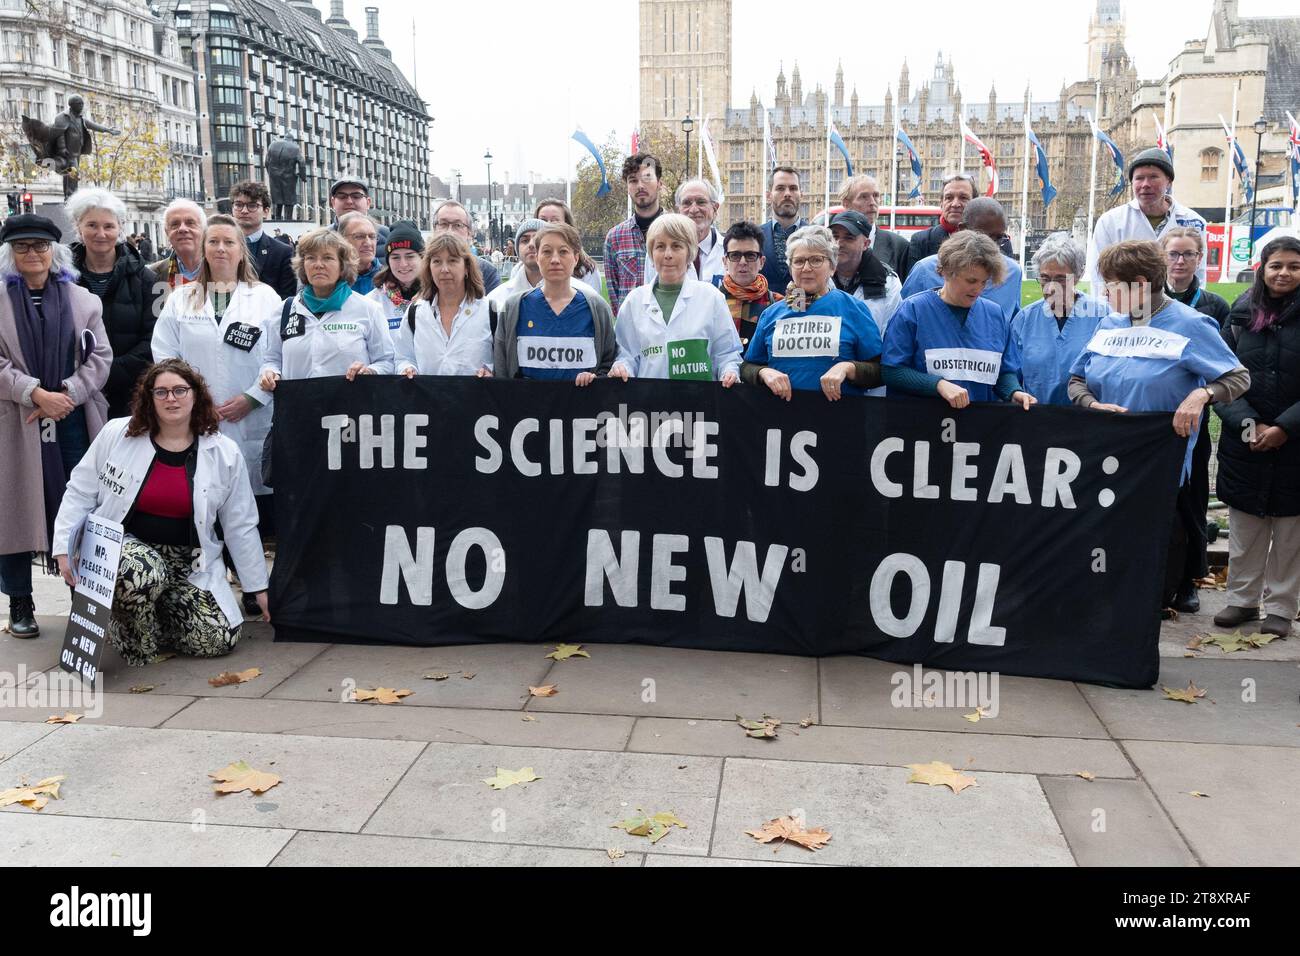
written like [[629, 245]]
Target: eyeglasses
[[353, 197], [687, 203], [454, 224], [246, 205], [809, 262], [745, 256], [22, 248], [1183, 255], [180, 391]]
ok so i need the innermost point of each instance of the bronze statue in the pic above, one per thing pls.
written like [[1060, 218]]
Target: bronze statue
[[61, 146], [285, 169]]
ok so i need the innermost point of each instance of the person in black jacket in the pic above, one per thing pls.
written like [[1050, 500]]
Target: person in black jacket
[[1184, 248], [1259, 448], [250, 202], [112, 269], [958, 190]]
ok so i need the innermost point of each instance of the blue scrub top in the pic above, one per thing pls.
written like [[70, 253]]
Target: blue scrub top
[[926, 334], [925, 275], [1152, 368], [1048, 351], [574, 326], [804, 345]]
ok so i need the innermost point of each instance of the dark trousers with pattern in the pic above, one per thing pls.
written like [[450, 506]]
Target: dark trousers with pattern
[[155, 607]]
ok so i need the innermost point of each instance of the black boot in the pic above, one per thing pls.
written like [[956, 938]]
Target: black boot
[[1187, 600], [22, 617]]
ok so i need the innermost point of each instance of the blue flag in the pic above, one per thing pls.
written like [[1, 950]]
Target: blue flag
[[1116, 155], [582, 138], [838, 140], [916, 162], [1044, 174], [1243, 169]]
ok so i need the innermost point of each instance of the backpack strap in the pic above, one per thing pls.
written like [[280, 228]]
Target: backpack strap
[[492, 318], [285, 312], [410, 317]]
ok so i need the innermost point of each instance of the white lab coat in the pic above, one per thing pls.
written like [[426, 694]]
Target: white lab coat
[[882, 307], [187, 330], [393, 313], [221, 492], [700, 313], [358, 332], [1129, 222], [431, 351], [712, 262]]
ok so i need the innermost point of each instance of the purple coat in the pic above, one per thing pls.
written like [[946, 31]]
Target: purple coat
[[22, 520]]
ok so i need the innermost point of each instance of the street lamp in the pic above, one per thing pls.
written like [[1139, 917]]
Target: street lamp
[[458, 195], [688, 124], [259, 120], [487, 158], [1261, 126]]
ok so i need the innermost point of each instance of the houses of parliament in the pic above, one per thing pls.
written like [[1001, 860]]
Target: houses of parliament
[[685, 58]]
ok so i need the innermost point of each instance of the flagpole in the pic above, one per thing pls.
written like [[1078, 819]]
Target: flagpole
[[1225, 261], [568, 158], [961, 155], [1024, 196], [893, 183], [699, 147], [827, 206], [1092, 182]]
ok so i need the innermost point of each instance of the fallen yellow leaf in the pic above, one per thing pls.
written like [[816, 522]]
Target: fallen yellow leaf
[[788, 829], [468, 675], [527, 717], [508, 778], [978, 714], [1197, 793], [226, 678], [34, 797], [764, 729], [546, 690], [1187, 696], [380, 695], [654, 825], [1086, 775], [614, 853], [938, 774], [68, 718], [142, 688], [240, 776], [436, 675], [564, 651]]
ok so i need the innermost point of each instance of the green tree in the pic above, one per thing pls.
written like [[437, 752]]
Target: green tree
[[596, 215]]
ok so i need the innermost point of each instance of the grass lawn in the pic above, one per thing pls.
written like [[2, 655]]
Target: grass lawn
[[1031, 291]]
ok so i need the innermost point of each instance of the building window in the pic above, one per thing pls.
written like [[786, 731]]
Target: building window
[[737, 152], [737, 184], [1210, 159], [937, 150], [803, 151], [1007, 148]]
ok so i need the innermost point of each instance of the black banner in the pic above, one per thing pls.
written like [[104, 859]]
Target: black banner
[[445, 510]]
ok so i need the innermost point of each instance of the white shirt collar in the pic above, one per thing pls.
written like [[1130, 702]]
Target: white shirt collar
[[254, 237]]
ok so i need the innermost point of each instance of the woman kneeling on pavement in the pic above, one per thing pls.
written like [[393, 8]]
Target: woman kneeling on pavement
[[180, 478], [819, 337], [1259, 458]]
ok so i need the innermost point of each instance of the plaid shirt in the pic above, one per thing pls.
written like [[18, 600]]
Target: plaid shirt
[[624, 261]]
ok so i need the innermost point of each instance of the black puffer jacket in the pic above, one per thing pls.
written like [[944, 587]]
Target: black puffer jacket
[[129, 317], [1263, 483]]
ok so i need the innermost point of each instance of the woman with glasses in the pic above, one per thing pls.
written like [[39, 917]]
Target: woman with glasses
[[818, 337], [1184, 249], [54, 360], [951, 341], [676, 327], [180, 483], [744, 286], [1152, 354], [1051, 332]]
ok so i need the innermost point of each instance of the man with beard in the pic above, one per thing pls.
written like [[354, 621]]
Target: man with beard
[[625, 243], [785, 197]]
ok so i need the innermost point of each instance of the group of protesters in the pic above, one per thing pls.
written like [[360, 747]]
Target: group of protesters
[[141, 392]]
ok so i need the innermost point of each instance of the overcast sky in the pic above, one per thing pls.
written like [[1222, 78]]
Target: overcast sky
[[481, 65]]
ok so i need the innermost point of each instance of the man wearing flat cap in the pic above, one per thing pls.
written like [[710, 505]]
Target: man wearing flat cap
[[1152, 212], [353, 195]]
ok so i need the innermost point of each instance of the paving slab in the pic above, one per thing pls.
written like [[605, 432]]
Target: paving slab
[[685, 683], [122, 710], [329, 783], [579, 796], [190, 675], [39, 839], [1114, 823], [31, 655], [862, 692], [1221, 716], [502, 674], [1005, 752], [876, 818], [14, 736], [1249, 817], [365, 849], [400, 722]]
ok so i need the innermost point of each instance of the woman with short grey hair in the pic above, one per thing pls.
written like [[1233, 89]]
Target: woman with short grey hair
[[1051, 332], [112, 269]]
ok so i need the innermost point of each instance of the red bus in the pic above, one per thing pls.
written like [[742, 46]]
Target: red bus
[[907, 219]]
